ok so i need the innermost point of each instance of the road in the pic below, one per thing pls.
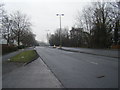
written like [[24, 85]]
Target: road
[[79, 70], [101, 52]]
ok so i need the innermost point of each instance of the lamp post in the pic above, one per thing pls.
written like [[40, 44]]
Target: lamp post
[[60, 28]]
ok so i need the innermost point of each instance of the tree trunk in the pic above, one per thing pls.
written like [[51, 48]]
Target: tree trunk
[[18, 39]]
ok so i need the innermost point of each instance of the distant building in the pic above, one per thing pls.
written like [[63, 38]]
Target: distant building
[[76, 32]]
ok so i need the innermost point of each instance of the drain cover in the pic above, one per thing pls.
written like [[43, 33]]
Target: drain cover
[[101, 76]]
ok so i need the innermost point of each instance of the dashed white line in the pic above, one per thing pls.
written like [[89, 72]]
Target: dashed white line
[[94, 63]]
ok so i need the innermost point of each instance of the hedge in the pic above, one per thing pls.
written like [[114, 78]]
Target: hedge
[[8, 48]]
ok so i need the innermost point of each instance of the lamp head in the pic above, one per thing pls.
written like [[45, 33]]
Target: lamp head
[[57, 14]]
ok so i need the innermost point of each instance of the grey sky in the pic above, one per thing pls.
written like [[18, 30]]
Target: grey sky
[[43, 13]]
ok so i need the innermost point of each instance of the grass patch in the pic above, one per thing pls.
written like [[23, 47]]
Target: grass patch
[[25, 56]]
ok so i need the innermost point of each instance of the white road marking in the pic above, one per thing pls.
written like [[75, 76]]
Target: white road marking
[[94, 63]]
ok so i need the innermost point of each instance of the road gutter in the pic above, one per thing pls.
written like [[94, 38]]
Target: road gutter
[[62, 86]]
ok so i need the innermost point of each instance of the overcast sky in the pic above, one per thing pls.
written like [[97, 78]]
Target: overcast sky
[[42, 13]]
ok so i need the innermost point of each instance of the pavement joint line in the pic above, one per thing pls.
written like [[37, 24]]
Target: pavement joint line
[[62, 86]]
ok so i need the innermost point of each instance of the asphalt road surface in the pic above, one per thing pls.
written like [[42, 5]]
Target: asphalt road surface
[[101, 52], [78, 70]]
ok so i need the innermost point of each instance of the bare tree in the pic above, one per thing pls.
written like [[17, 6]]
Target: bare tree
[[28, 39], [2, 11], [20, 23], [16, 26], [5, 24], [6, 28], [115, 15], [1, 15], [97, 21]]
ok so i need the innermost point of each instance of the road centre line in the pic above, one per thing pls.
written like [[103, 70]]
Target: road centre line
[[94, 63]]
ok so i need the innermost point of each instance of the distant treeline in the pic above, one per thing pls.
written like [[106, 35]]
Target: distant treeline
[[98, 26]]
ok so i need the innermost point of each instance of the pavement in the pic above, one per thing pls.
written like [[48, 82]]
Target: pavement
[[9, 66], [81, 70], [102, 52], [33, 75]]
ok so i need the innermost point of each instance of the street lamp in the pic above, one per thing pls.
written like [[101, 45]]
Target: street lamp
[[60, 28]]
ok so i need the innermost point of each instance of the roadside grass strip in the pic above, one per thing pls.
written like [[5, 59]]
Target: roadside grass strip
[[25, 57]]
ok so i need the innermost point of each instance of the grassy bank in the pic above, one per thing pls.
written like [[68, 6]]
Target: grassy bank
[[25, 56]]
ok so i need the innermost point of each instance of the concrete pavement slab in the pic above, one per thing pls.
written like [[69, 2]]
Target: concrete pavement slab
[[33, 75]]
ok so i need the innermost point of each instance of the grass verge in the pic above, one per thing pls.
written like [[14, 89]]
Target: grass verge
[[25, 57]]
